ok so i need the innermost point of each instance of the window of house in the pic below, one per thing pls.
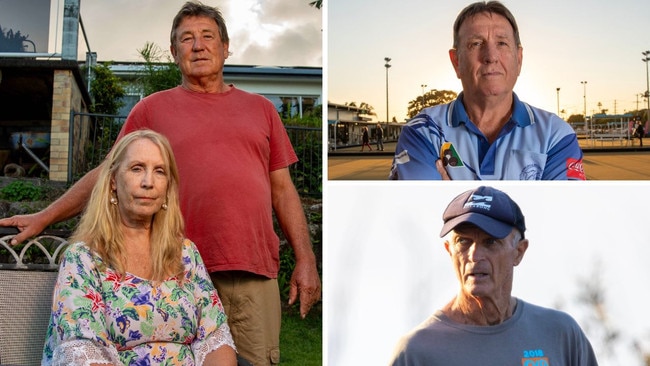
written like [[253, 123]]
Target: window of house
[[293, 105]]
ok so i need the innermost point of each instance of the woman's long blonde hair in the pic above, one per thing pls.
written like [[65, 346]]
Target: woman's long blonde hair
[[99, 226]]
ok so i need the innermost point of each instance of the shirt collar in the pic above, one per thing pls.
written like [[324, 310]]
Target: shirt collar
[[522, 115]]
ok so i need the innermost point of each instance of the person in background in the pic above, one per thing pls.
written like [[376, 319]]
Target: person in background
[[484, 235], [365, 138], [380, 137], [639, 132], [132, 289], [487, 133], [233, 156]]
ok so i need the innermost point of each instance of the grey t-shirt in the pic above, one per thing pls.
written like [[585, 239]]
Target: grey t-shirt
[[533, 336]]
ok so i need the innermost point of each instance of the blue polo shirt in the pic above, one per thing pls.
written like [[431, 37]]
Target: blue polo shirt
[[533, 145]]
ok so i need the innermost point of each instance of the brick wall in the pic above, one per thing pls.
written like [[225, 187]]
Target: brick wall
[[66, 97]]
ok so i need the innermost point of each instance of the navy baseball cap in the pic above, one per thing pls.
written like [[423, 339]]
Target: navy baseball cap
[[490, 209]]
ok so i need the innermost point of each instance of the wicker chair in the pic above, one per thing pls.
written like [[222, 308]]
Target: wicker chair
[[27, 276]]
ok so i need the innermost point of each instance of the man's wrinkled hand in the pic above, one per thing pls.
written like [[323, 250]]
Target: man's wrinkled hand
[[305, 285], [27, 225]]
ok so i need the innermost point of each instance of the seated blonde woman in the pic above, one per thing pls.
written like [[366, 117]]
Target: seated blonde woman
[[132, 290]]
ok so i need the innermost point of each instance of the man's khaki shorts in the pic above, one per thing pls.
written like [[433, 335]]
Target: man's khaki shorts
[[252, 304]]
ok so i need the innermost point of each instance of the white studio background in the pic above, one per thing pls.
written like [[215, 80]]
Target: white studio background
[[386, 268]]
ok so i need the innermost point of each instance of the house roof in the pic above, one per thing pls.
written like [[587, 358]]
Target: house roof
[[344, 107], [126, 69]]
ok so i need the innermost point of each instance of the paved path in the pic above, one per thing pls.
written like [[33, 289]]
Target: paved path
[[607, 163]]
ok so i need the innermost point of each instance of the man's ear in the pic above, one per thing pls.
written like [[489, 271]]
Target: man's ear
[[521, 248], [172, 49], [520, 58], [447, 247], [453, 56]]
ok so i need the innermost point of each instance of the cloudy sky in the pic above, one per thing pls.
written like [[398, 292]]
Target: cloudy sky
[[387, 270], [271, 33], [564, 41]]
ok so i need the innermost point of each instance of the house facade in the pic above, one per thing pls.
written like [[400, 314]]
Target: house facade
[[294, 91], [42, 103]]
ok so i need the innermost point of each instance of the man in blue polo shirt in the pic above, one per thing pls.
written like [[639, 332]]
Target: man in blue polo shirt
[[487, 133]]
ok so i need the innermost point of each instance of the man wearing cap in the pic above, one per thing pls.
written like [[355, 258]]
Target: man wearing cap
[[484, 324]]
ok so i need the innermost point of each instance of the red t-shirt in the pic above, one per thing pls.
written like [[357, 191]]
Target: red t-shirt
[[225, 146]]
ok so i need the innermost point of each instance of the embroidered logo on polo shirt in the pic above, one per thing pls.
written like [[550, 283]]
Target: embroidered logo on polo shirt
[[574, 169], [450, 156], [534, 358], [531, 172]]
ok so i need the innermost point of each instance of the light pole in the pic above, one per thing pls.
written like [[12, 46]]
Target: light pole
[[584, 97], [646, 58], [558, 100], [387, 65], [423, 86]]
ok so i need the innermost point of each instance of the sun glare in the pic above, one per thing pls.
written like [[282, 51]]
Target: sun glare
[[246, 19]]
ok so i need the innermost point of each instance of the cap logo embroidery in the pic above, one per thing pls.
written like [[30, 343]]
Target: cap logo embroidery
[[478, 201]]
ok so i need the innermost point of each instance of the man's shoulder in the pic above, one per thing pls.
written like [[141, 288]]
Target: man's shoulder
[[164, 93], [547, 125], [544, 118], [255, 102], [241, 93], [419, 340], [431, 119], [161, 97], [435, 114], [178, 91], [178, 96], [546, 315], [426, 330]]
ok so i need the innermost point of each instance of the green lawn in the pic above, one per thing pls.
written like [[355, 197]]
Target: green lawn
[[301, 340]]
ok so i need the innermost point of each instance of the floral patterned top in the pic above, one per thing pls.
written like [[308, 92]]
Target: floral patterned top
[[99, 317]]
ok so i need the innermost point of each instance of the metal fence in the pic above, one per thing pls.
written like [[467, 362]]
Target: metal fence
[[307, 173], [92, 135]]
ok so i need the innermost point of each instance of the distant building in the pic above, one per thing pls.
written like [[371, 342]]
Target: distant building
[[294, 90], [345, 123]]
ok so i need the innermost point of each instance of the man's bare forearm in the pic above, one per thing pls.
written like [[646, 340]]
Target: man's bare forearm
[[73, 201]]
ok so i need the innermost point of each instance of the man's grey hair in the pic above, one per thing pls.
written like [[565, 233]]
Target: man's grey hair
[[492, 7], [196, 9]]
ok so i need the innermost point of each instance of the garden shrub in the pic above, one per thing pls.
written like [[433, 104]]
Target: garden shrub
[[20, 190]]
